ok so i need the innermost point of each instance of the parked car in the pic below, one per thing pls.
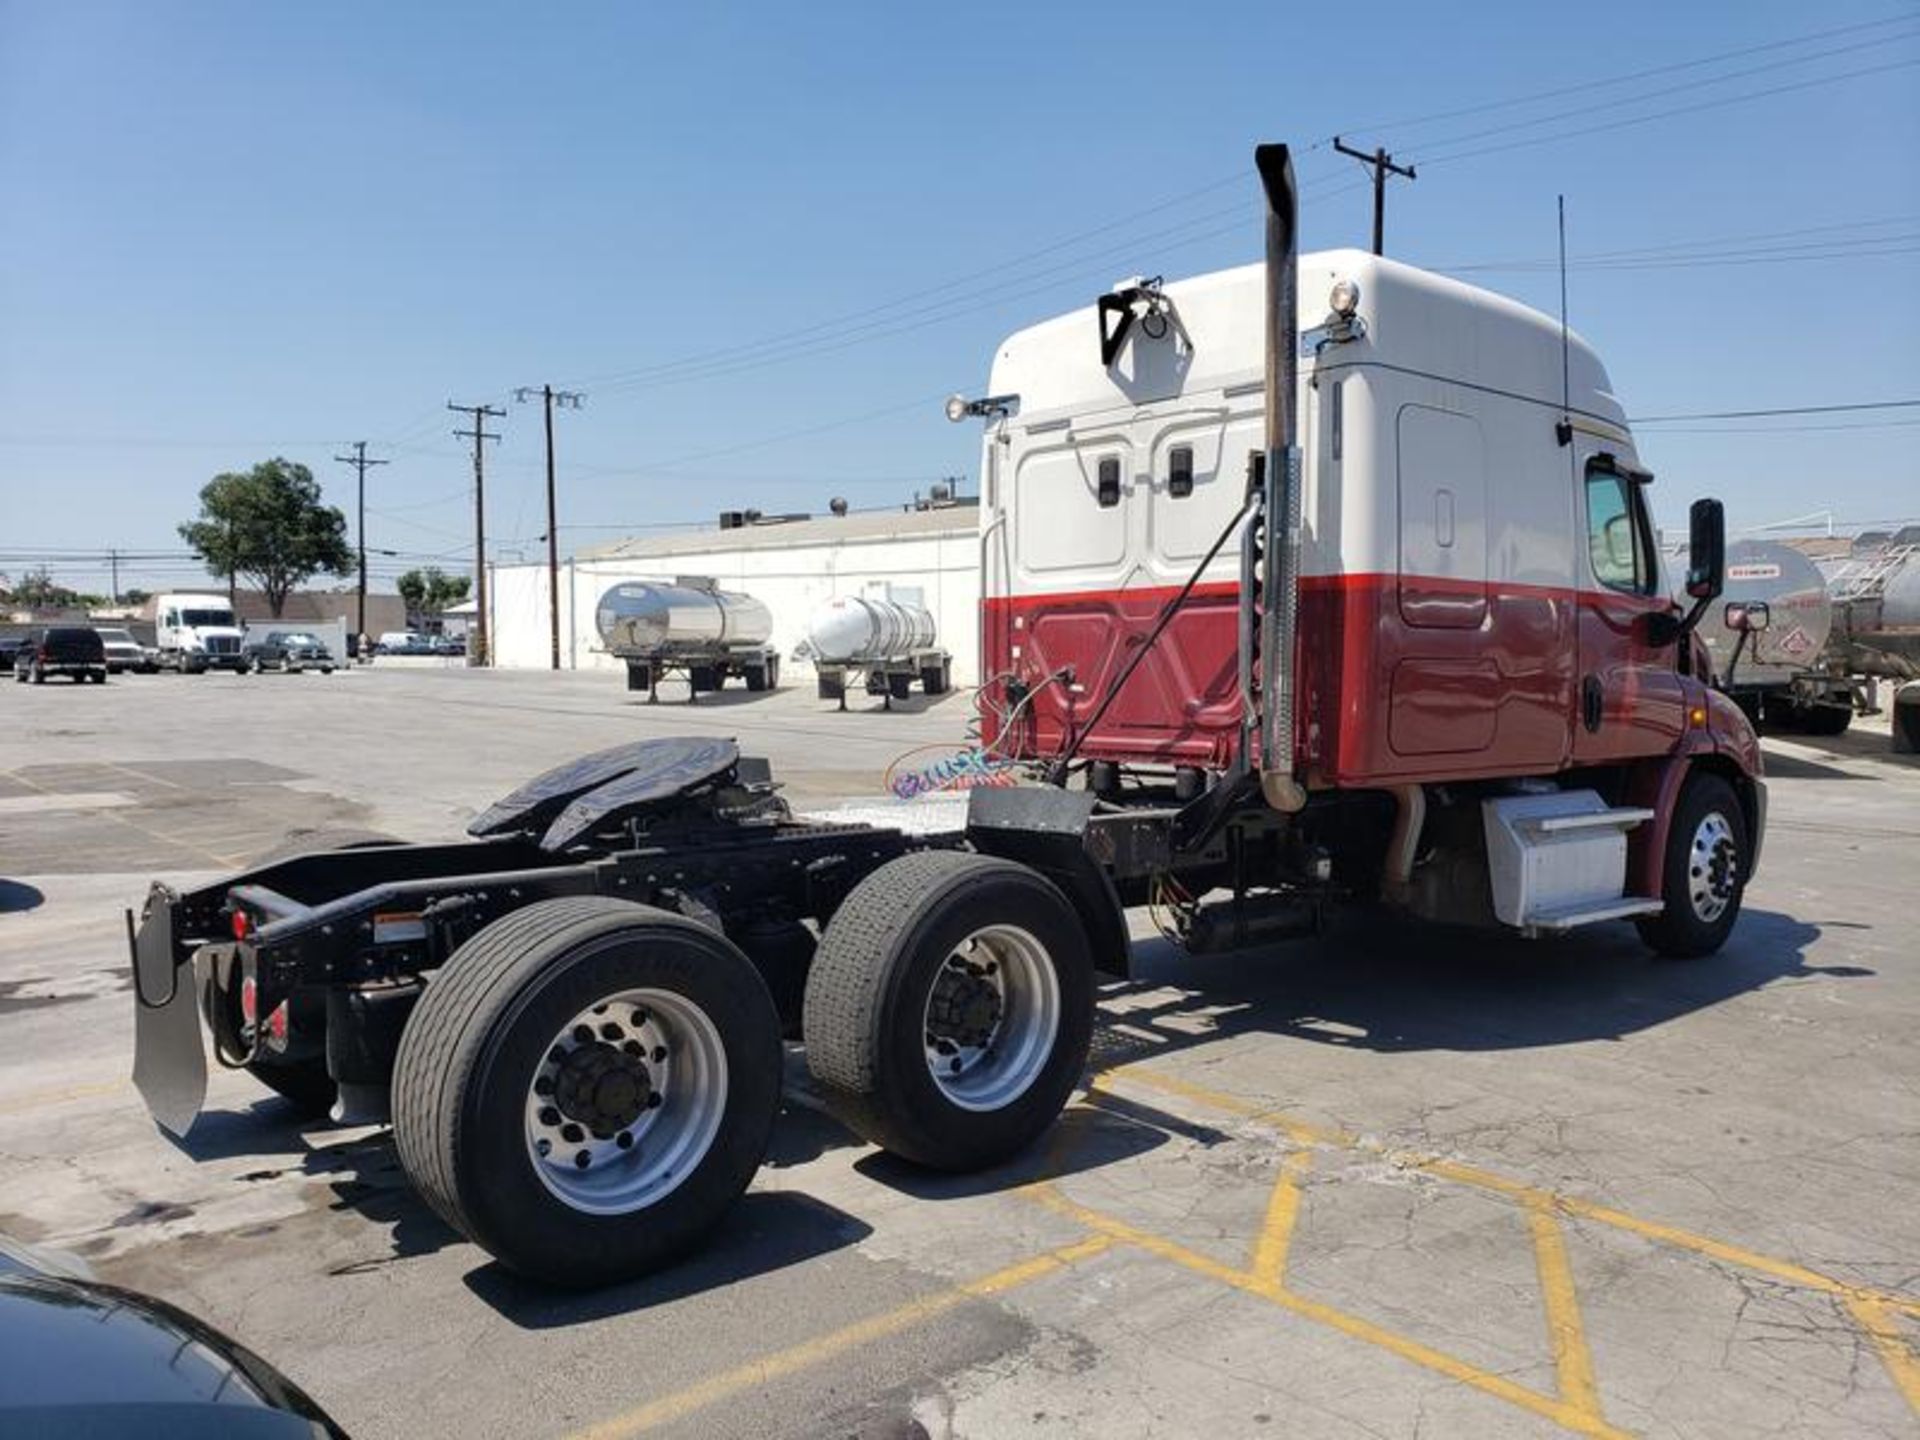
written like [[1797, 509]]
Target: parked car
[[403, 642], [10, 645], [126, 653], [74, 650], [291, 651], [81, 1358]]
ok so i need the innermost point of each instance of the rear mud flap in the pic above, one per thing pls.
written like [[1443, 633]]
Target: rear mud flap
[[169, 1060]]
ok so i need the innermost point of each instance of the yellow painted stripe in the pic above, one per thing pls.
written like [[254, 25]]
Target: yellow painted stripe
[[1896, 1351], [1558, 1411], [1566, 1334], [809, 1353], [1269, 1268], [1304, 1132], [40, 1099]]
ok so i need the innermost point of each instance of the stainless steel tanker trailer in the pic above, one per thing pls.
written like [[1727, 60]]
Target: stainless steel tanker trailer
[[1307, 690], [885, 637], [1768, 637], [691, 626]]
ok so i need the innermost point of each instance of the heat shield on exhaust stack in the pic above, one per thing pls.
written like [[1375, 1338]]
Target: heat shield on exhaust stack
[[1279, 514]]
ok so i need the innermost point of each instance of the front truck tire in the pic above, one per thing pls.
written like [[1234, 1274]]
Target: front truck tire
[[586, 1086], [1704, 872], [950, 1007]]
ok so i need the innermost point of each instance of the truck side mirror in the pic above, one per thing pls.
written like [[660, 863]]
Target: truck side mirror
[[1706, 549], [1749, 615]]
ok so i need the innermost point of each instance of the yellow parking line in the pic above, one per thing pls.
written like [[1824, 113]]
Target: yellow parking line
[[1566, 1334], [1269, 1268], [808, 1353], [1896, 1351], [1560, 1412], [38, 1099]]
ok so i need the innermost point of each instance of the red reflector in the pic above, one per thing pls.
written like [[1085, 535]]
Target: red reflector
[[277, 1023], [241, 924], [249, 1000]]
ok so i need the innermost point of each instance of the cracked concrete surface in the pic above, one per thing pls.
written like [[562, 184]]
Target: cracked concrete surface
[[1759, 1106]]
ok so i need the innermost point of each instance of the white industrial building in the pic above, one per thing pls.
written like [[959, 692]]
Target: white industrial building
[[791, 566]]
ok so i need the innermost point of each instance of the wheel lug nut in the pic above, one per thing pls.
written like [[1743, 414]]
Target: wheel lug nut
[[556, 1054], [611, 1031], [954, 1066], [625, 1141], [583, 1033], [543, 1085], [543, 1148], [549, 1115], [653, 1100], [659, 1053], [582, 1160], [572, 1134], [632, 1047], [599, 1009]]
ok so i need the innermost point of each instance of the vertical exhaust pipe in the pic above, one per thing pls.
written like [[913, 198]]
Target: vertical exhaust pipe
[[1279, 514]]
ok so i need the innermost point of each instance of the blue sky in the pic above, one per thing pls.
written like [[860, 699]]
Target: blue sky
[[239, 230]]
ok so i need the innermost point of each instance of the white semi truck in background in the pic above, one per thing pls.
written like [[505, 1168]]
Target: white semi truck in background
[[196, 633]]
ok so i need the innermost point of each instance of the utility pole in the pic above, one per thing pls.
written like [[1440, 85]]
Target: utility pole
[[1381, 163], [360, 462], [113, 559], [477, 651], [549, 398]]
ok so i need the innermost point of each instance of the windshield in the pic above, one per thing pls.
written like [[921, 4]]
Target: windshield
[[116, 637], [299, 637], [206, 617]]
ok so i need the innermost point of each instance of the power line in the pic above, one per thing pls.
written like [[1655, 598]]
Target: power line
[[1779, 410], [1381, 164], [1669, 114]]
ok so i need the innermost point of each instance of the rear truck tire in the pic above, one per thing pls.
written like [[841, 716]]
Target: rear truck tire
[[305, 1082], [950, 1007], [1704, 872], [900, 687], [524, 1095], [756, 678], [326, 669], [702, 678]]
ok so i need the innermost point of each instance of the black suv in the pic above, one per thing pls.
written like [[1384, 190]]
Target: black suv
[[75, 650]]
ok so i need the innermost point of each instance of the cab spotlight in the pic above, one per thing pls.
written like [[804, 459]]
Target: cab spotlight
[[959, 407], [1345, 298]]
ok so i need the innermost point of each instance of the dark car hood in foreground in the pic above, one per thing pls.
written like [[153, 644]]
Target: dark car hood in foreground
[[83, 1359]]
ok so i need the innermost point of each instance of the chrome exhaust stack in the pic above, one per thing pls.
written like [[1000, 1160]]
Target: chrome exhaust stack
[[1275, 525]]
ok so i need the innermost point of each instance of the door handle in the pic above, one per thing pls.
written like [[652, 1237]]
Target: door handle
[[1592, 702]]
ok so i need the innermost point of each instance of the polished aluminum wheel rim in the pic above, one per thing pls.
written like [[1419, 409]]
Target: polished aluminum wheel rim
[[991, 1017], [1712, 867], [658, 1055]]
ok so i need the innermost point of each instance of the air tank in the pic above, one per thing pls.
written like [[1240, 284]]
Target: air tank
[[647, 618], [1800, 616], [851, 629]]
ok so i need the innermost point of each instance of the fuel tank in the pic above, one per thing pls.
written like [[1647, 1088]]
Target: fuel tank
[[1800, 615], [648, 618], [850, 629]]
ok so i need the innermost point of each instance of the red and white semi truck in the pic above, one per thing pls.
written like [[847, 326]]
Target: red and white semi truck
[[1369, 611]]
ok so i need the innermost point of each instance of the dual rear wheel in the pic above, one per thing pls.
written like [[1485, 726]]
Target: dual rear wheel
[[588, 1084]]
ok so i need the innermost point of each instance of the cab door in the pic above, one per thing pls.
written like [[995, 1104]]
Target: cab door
[[1628, 701]]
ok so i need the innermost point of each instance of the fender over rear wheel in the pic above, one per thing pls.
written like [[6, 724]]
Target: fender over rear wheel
[[950, 1008], [586, 1086]]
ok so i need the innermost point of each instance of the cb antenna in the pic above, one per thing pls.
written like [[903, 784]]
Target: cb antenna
[[1564, 430]]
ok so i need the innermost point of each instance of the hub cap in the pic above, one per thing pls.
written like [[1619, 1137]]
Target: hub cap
[[992, 1013], [626, 1101], [1713, 867]]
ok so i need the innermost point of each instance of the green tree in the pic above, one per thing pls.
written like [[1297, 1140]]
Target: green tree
[[39, 590], [134, 595], [430, 591], [268, 524]]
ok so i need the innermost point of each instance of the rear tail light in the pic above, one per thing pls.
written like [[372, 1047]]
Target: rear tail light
[[249, 1000], [242, 924], [277, 1026]]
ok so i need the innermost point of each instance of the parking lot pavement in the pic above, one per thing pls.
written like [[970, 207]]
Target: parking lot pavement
[[1391, 1181]]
